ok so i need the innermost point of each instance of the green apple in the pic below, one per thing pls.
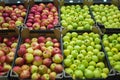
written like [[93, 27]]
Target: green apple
[[78, 74], [105, 70], [66, 52], [69, 71], [97, 73], [88, 73], [85, 63], [73, 66], [91, 68], [100, 65], [67, 62], [81, 67], [74, 53], [92, 63], [95, 58], [77, 62]]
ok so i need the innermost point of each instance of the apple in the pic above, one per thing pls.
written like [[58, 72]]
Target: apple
[[25, 67], [19, 61], [42, 69], [23, 74], [41, 39], [89, 73], [45, 77], [57, 58], [58, 68], [35, 76], [47, 54], [47, 62], [29, 57], [35, 45], [78, 74], [67, 62], [56, 50], [37, 61], [52, 75], [33, 69], [21, 51], [1, 53], [17, 69], [37, 52], [6, 67]]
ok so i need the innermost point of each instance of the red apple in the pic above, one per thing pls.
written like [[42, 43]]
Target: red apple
[[19, 61], [53, 75], [27, 40], [30, 20], [21, 51], [17, 69], [37, 61], [50, 26], [58, 68], [47, 62], [50, 5], [41, 39], [2, 59], [54, 40], [37, 52], [42, 28], [45, 77], [25, 67], [25, 74], [10, 57], [1, 53], [35, 45], [1, 68], [48, 39], [56, 50], [21, 7], [56, 45], [43, 48], [28, 24]]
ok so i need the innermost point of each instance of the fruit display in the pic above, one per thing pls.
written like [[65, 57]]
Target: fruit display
[[40, 58], [12, 16], [42, 17], [75, 17], [112, 48], [83, 56], [109, 15], [7, 50]]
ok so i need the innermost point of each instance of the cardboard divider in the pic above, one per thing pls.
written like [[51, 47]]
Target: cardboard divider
[[111, 74]]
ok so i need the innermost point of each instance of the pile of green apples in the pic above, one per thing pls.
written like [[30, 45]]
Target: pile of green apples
[[83, 57], [112, 47], [75, 17], [109, 15]]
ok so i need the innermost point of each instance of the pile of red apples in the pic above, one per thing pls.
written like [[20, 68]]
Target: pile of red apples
[[11, 16], [7, 49], [42, 17], [39, 59]]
